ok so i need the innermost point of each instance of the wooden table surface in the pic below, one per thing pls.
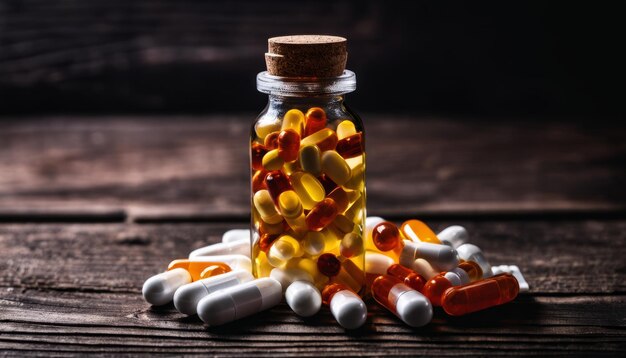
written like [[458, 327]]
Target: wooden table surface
[[92, 206]]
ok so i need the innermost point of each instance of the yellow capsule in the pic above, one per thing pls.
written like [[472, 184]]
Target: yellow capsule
[[355, 211], [356, 181], [314, 243], [293, 119], [335, 167], [309, 189], [265, 206], [325, 139], [291, 208], [416, 230], [345, 129], [332, 238], [354, 162], [265, 127], [351, 245], [283, 249], [292, 167], [262, 267], [310, 159], [343, 224], [271, 160]]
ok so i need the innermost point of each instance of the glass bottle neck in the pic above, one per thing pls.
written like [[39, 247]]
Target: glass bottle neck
[[316, 101]]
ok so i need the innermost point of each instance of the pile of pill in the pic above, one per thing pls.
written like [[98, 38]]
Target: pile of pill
[[407, 270]]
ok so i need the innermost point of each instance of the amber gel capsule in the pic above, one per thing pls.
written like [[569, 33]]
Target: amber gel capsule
[[315, 120], [479, 295], [408, 304], [409, 277], [416, 230]]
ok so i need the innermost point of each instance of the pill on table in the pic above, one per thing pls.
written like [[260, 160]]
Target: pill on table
[[440, 257], [454, 279], [407, 304], [423, 268], [346, 306], [236, 235], [472, 269], [386, 236], [239, 301], [515, 271], [303, 298], [288, 275], [471, 252], [159, 289], [418, 231], [479, 295], [196, 265], [187, 297], [454, 236], [435, 288], [463, 276], [240, 247], [409, 277]]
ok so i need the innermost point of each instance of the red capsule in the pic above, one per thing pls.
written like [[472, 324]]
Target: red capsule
[[479, 295], [258, 180], [351, 146], [271, 140], [408, 276], [435, 288], [328, 264], [257, 151], [315, 120], [341, 199], [386, 236], [321, 215], [277, 183], [288, 145]]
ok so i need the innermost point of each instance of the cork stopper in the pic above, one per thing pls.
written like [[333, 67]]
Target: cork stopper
[[306, 56]]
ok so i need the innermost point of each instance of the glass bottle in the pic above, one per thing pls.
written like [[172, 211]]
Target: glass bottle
[[308, 172]]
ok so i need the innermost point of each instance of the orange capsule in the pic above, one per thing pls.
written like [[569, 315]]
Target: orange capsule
[[479, 295], [416, 230], [257, 152], [258, 180], [321, 215], [435, 288], [408, 304], [408, 276], [196, 267], [277, 183], [328, 264], [386, 236], [271, 141], [351, 146], [473, 270], [315, 120], [288, 143], [341, 199]]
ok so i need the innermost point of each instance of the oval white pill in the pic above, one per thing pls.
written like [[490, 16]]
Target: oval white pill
[[348, 309], [236, 235], [414, 308], [240, 247], [471, 252], [159, 289], [303, 298], [454, 236]]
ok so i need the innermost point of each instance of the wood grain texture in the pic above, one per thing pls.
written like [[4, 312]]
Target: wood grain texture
[[75, 289], [195, 168]]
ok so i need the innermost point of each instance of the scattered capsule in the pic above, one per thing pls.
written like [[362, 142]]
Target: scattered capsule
[[303, 298], [288, 143], [479, 295], [265, 206], [293, 119], [236, 235], [277, 183], [335, 167], [325, 139], [386, 236], [469, 252], [473, 270], [454, 279], [187, 297], [288, 275], [197, 264], [240, 247], [328, 264], [375, 265], [462, 274], [239, 301], [407, 304], [454, 236], [315, 120], [272, 161], [417, 231], [515, 271], [435, 288], [321, 215], [351, 146], [345, 129], [257, 152], [309, 189], [407, 276], [441, 257], [370, 224], [310, 159], [346, 306], [423, 268], [159, 289]]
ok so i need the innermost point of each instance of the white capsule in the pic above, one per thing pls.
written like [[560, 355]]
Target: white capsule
[[471, 252], [422, 267], [462, 275], [411, 306], [376, 263], [515, 271], [187, 297], [236, 235], [289, 275], [235, 262], [440, 257], [454, 279], [348, 309], [159, 289], [303, 298], [454, 236], [240, 247], [239, 301]]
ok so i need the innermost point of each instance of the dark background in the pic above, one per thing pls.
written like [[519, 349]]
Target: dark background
[[494, 58]]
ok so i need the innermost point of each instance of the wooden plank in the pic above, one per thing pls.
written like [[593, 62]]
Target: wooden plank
[[195, 168], [75, 289]]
